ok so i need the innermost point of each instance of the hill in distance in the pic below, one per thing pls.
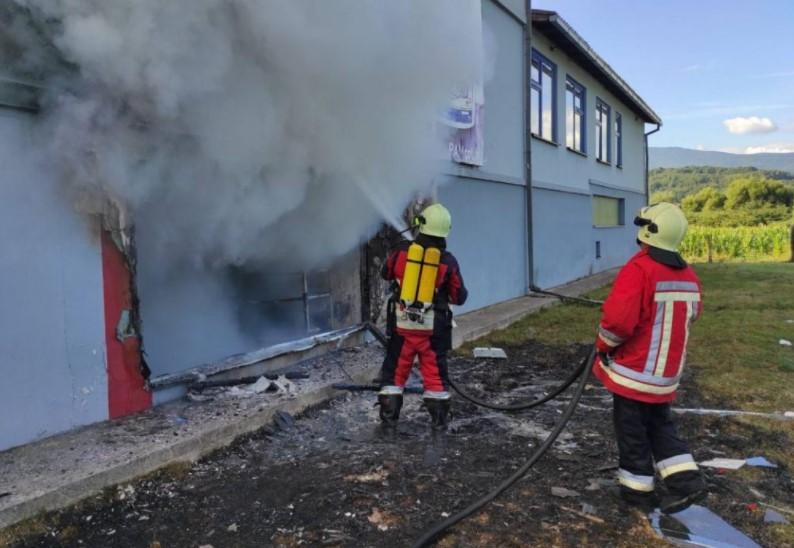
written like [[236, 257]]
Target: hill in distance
[[673, 157]]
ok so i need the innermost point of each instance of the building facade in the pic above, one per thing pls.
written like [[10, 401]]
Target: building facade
[[80, 307], [588, 156]]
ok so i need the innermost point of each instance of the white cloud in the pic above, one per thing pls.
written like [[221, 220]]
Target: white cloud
[[692, 68], [751, 124], [774, 148]]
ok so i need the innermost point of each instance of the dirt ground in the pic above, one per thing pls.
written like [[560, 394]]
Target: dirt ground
[[335, 477]]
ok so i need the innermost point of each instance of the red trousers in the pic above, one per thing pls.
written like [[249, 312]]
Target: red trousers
[[404, 347]]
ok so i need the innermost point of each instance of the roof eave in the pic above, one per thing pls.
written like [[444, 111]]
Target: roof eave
[[578, 48]]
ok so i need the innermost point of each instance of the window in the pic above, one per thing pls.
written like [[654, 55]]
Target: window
[[602, 132], [618, 140], [607, 211], [574, 115], [542, 103]]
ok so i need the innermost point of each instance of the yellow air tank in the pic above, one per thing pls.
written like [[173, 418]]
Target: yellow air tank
[[413, 267], [427, 281]]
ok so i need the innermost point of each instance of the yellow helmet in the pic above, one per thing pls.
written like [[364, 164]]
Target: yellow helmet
[[434, 220], [662, 225]]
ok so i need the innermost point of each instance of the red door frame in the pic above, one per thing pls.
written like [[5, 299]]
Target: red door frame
[[127, 391]]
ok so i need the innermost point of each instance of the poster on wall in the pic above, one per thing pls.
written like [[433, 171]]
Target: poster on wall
[[464, 117]]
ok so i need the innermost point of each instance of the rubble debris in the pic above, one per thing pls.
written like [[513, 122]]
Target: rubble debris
[[562, 492], [789, 414], [594, 519], [588, 508], [784, 342], [756, 493], [773, 516], [204, 383], [723, 463], [381, 519], [598, 483], [284, 421], [373, 388], [761, 462], [376, 476], [261, 385], [232, 528], [698, 526], [484, 352], [779, 509], [6, 494]]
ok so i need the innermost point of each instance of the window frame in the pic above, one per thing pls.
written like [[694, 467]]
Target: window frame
[[545, 67], [618, 140], [572, 86], [621, 210], [603, 110]]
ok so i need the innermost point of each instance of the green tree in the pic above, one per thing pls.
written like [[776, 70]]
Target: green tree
[[663, 196], [758, 193], [705, 199]]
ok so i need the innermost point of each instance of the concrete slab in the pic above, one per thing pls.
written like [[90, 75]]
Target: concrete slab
[[62, 470]]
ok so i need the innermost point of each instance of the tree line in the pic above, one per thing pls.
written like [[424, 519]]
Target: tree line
[[712, 196]]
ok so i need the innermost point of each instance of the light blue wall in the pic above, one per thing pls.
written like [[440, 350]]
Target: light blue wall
[[564, 182], [556, 165], [52, 345], [565, 238], [488, 204], [504, 114], [488, 238]]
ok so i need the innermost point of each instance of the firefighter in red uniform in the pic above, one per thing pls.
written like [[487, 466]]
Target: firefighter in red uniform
[[428, 280], [641, 344]]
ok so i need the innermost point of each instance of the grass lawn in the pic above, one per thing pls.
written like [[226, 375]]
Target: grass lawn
[[734, 352], [734, 348]]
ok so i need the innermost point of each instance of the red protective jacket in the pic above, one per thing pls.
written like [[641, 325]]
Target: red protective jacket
[[644, 329]]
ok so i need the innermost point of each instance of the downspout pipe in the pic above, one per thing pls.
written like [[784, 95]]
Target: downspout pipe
[[647, 165], [528, 141]]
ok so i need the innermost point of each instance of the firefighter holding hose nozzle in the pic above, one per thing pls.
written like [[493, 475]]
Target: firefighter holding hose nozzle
[[427, 280], [641, 345]]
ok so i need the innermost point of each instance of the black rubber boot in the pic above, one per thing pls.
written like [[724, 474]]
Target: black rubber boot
[[674, 503], [644, 501], [439, 412], [390, 405]]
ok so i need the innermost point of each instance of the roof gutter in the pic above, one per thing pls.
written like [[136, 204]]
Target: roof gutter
[[647, 164]]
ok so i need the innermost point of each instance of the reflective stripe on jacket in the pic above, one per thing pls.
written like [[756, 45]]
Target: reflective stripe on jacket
[[645, 325]]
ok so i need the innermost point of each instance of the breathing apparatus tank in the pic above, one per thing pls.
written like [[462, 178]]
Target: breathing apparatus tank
[[418, 288]]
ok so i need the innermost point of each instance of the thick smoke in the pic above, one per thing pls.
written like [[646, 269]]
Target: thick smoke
[[247, 131]]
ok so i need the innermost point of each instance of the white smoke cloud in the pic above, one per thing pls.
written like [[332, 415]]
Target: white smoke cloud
[[242, 131], [751, 124]]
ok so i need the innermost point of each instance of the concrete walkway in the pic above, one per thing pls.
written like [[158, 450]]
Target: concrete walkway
[[63, 469]]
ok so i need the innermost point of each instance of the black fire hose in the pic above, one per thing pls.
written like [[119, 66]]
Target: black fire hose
[[513, 407], [581, 300], [434, 532]]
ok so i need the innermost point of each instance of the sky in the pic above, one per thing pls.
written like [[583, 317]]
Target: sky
[[719, 73]]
